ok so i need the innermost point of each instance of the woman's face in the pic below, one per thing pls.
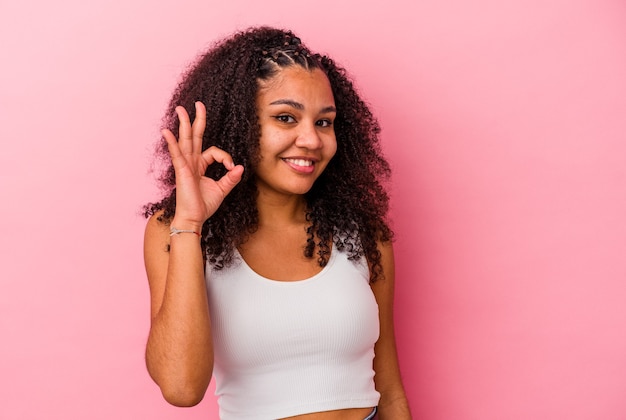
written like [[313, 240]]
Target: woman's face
[[296, 111]]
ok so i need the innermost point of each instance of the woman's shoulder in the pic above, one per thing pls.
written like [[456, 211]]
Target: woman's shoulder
[[157, 233]]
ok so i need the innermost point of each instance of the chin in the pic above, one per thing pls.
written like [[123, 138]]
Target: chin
[[299, 189]]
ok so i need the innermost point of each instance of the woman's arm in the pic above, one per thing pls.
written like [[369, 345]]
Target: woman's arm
[[393, 404], [179, 352]]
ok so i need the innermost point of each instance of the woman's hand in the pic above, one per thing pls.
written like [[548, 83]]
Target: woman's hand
[[197, 196]]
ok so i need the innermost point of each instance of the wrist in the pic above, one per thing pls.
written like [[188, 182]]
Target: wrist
[[174, 232], [185, 225]]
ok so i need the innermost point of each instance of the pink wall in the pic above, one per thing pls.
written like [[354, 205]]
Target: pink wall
[[505, 124]]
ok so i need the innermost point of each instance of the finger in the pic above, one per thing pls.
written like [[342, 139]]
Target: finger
[[215, 154], [184, 131], [230, 180], [178, 159], [198, 126], [172, 144]]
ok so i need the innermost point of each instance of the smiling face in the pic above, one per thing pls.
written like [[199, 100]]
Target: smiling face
[[296, 111]]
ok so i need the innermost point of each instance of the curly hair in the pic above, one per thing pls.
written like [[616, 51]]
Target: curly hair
[[347, 206]]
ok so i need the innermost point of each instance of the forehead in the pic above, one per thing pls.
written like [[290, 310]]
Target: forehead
[[296, 83]]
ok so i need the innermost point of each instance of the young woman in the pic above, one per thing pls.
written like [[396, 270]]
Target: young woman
[[269, 259]]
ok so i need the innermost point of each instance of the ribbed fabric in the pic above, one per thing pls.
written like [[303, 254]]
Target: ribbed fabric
[[288, 348]]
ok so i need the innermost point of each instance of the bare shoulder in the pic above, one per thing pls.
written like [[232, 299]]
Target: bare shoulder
[[156, 227], [383, 289], [156, 236], [386, 254], [384, 284]]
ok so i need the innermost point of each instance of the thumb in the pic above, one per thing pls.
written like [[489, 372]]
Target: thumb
[[232, 178]]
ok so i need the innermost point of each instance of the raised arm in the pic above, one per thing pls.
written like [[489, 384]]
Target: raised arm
[[179, 352], [393, 403]]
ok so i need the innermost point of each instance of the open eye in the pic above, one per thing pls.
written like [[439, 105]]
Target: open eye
[[324, 123], [285, 118]]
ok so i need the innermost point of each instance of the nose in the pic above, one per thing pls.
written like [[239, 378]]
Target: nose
[[309, 137]]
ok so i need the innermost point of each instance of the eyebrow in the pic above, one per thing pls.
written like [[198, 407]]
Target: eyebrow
[[299, 106]]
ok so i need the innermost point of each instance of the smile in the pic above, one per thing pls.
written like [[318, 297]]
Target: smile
[[303, 166], [299, 162]]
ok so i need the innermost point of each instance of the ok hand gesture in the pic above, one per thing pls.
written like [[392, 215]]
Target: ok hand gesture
[[197, 196]]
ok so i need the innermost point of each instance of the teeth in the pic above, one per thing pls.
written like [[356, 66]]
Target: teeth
[[300, 162]]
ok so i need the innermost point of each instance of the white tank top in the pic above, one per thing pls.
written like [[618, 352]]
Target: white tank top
[[288, 348]]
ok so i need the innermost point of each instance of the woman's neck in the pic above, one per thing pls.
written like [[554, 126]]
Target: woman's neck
[[277, 211]]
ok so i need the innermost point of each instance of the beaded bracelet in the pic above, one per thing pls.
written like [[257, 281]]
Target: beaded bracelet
[[174, 231]]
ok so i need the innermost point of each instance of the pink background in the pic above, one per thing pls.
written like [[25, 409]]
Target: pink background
[[505, 125]]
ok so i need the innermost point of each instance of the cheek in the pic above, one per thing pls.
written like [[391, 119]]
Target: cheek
[[268, 143], [332, 148]]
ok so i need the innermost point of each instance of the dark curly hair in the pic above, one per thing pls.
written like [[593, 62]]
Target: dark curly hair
[[347, 205]]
